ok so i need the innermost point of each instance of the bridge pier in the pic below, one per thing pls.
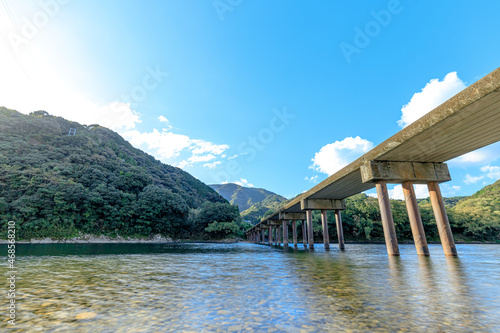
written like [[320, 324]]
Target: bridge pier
[[310, 232], [304, 233], [391, 240], [285, 233], [324, 223], [294, 232], [417, 228], [442, 222], [270, 236], [279, 236], [263, 236], [340, 231]]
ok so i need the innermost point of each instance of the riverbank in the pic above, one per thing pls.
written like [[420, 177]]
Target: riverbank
[[93, 239]]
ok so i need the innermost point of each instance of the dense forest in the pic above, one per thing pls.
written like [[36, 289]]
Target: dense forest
[[94, 182]]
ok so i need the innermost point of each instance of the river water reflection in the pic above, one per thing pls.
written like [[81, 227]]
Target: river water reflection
[[248, 287]]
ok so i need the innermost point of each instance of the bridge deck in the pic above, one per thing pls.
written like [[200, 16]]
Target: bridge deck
[[466, 122]]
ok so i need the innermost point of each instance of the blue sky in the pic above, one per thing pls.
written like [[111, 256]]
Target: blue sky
[[273, 94]]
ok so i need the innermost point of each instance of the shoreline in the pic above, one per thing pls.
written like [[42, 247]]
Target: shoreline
[[92, 239], [87, 239]]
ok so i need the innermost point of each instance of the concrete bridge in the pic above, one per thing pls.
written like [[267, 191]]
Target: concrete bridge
[[415, 155]]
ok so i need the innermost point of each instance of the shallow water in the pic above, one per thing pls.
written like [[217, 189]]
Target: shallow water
[[248, 287]]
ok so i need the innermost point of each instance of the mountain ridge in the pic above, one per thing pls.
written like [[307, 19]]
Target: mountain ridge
[[252, 202]]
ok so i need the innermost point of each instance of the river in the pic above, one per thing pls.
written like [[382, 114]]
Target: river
[[248, 287]]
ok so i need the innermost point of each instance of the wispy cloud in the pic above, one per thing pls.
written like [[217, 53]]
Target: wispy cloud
[[471, 179], [241, 182]]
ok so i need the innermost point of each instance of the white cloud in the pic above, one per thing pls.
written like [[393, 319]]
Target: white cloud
[[163, 119], [211, 165], [164, 144], [432, 95], [167, 145], [203, 147], [471, 179], [421, 192], [492, 172], [312, 179], [334, 156], [241, 182], [201, 158], [477, 156]]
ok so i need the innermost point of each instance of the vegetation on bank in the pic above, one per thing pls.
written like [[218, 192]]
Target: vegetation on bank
[[94, 182]]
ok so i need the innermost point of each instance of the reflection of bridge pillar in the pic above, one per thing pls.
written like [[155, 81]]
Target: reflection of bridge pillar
[[304, 233], [270, 235], [417, 228], [310, 232], [324, 223], [441, 217], [340, 231], [391, 240], [294, 232], [285, 233]]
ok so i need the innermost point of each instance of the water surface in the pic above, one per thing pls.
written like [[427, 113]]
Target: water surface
[[248, 287]]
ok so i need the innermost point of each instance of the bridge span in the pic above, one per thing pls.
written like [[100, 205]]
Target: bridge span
[[415, 155]]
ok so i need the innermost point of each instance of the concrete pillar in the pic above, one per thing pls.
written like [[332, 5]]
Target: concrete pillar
[[391, 240], [285, 233], [263, 240], [310, 232], [294, 232], [340, 231], [442, 219], [270, 235], [326, 235], [417, 228], [304, 233], [279, 235]]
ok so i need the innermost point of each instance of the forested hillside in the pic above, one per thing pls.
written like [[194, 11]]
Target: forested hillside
[[58, 185], [253, 203]]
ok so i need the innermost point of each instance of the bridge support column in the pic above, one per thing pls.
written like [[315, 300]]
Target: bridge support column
[[340, 231], [285, 233], [279, 235], [324, 223], [304, 233], [417, 228], [263, 240], [391, 240], [270, 235], [441, 217], [294, 232], [310, 232]]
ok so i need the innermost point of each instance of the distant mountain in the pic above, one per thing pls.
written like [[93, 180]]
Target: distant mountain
[[93, 181], [253, 203]]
